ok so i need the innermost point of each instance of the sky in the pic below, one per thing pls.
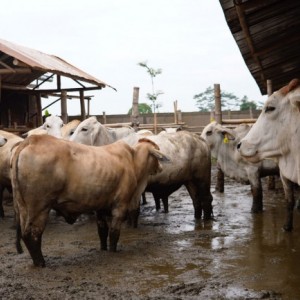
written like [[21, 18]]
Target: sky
[[188, 39]]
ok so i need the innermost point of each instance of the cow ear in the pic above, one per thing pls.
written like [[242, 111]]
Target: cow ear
[[160, 156], [291, 86], [295, 99]]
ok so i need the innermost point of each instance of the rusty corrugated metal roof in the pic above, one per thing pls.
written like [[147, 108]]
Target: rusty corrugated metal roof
[[20, 65], [267, 33]]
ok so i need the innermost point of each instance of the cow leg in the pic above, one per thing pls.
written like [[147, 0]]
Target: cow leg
[[18, 238], [102, 229], [202, 199], [288, 187], [144, 201], [220, 179], [156, 197], [256, 190], [33, 241], [257, 195], [33, 223], [133, 216], [118, 216], [165, 200]]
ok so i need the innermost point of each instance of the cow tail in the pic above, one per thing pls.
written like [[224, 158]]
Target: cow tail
[[18, 199]]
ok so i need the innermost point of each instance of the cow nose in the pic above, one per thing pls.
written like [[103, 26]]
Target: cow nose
[[239, 145]]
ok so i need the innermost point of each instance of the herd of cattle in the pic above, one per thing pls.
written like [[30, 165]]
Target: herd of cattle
[[84, 167]]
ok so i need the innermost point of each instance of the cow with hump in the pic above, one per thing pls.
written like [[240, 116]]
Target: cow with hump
[[223, 144], [276, 135], [190, 164], [50, 173]]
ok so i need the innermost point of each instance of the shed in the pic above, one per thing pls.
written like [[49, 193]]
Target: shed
[[267, 34], [24, 73]]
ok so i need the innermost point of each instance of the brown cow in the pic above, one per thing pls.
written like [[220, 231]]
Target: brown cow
[[50, 173]]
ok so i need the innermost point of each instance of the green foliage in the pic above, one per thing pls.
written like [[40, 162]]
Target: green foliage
[[153, 96], [205, 101], [246, 104], [143, 108]]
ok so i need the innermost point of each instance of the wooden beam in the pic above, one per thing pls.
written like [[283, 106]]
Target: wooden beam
[[47, 91], [15, 71]]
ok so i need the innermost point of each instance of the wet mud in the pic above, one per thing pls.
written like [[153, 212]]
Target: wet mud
[[238, 255]]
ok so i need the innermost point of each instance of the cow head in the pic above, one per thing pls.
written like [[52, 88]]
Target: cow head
[[87, 132], [53, 126], [275, 132], [217, 137]]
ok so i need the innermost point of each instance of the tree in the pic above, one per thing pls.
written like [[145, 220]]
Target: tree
[[205, 101], [246, 104], [143, 108], [153, 96]]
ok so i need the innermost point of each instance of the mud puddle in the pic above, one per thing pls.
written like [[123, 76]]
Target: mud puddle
[[169, 256]]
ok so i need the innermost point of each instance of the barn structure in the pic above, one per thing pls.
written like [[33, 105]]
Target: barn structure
[[25, 77], [267, 34]]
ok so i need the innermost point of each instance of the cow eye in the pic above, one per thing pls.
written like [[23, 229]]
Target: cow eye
[[269, 109], [209, 132], [84, 129], [48, 126]]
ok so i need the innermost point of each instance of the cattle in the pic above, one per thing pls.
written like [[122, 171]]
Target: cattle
[[68, 129], [11, 140], [191, 164], [50, 173], [191, 167], [92, 132], [54, 126], [171, 129], [223, 144], [275, 135]]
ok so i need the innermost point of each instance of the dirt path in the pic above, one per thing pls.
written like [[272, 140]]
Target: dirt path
[[169, 256]]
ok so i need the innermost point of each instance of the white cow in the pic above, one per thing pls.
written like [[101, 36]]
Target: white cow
[[276, 135], [51, 126], [92, 132], [190, 166], [223, 142]]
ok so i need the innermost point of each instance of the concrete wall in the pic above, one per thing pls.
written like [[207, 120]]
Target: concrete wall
[[193, 121]]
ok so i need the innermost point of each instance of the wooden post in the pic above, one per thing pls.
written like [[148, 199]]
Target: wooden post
[[104, 117], [8, 119], [218, 107], [88, 107], [135, 109], [0, 87], [155, 123], [82, 107], [63, 102], [179, 116], [175, 112], [218, 118], [271, 179], [269, 87], [39, 109]]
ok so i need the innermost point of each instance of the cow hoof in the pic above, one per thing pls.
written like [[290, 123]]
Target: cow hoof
[[39, 263], [256, 210]]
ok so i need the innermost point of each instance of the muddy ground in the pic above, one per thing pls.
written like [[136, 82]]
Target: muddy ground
[[169, 256]]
